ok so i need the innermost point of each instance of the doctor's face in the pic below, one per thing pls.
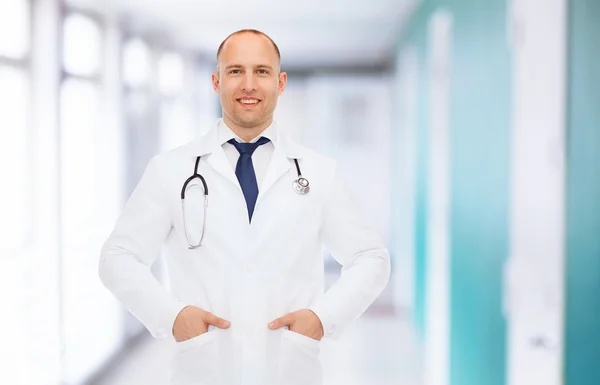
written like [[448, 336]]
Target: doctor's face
[[248, 82]]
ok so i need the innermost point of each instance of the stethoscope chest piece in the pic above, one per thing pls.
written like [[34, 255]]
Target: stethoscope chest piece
[[301, 185]]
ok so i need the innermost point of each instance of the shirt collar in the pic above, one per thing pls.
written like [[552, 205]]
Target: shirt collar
[[225, 134], [212, 140]]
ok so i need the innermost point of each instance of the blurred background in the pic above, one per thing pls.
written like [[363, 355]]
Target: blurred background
[[469, 129]]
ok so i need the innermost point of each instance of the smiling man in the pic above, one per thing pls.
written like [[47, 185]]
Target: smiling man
[[247, 304], [248, 81]]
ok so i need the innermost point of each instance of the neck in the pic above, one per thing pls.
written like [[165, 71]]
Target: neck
[[247, 133]]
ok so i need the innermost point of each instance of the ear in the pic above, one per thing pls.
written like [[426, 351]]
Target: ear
[[282, 82], [215, 82]]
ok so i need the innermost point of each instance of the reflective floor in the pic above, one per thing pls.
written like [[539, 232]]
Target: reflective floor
[[376, 350]]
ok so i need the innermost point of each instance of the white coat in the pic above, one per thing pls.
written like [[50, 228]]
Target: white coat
[[247, 273]]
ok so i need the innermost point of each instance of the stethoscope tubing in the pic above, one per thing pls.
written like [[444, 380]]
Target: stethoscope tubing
[[300, 185]]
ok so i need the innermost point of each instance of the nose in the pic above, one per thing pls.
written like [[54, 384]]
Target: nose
[[249, 84]]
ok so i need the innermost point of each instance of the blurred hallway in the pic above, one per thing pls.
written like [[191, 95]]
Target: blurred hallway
[[468, 132]]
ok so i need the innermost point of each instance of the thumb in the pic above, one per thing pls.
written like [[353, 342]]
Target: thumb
[[211, 319], [286, 320]]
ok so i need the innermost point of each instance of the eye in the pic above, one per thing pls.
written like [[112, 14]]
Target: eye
[[235, 71], [263, 72]]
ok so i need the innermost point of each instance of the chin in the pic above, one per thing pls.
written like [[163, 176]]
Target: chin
[[249, 121]]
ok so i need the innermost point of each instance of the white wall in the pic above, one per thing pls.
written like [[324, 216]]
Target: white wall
[[437, 301], [535, 286]]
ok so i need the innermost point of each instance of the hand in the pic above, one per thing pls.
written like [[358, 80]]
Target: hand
[[192, 322], [303, 321]]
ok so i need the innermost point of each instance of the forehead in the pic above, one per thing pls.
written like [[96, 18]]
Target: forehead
[[248, 49]]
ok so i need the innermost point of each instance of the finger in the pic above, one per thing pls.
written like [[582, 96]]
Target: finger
[[286, 320], [211, 319]]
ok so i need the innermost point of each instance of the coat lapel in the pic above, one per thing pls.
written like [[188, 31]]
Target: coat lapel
[[278, 166], [286, 150], [219, 162], [210, 149]]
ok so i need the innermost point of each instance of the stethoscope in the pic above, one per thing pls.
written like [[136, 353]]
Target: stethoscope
[[299, 185]]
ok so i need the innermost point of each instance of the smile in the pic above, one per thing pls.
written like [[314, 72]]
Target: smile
[[248, 102]]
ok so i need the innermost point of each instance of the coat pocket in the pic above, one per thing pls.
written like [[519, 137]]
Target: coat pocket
[[196, 361], [299, 360]]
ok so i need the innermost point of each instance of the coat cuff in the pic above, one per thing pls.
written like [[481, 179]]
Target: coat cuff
[[330, 329], [165, 330]]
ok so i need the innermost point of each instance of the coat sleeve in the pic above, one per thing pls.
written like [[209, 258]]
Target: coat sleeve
[[365, 262], [130, 250]]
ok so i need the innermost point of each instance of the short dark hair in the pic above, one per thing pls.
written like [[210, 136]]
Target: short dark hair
[[241, 31]]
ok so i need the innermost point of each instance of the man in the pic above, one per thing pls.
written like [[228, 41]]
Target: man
[[247, 303]]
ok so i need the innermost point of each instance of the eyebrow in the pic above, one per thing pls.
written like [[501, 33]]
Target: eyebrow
[[239, 66]]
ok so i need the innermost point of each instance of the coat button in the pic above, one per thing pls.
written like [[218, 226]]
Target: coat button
[[331, 329]]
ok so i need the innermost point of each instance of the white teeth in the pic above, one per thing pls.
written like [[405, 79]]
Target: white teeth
[[249, 101]]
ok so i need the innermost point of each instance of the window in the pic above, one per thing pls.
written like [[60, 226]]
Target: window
[[91, 318], [82, 46], [15, 159], [176, 111], [79, 114], [176, 123], [79, 109], [171, 72], [140, 108], [137, 62], [14, 28], [18, 184], [16, 221]]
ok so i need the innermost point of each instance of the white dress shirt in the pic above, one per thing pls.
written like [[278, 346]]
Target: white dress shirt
[[262, 155]]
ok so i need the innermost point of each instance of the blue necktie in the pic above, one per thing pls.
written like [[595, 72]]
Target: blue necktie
[[244, 170]]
